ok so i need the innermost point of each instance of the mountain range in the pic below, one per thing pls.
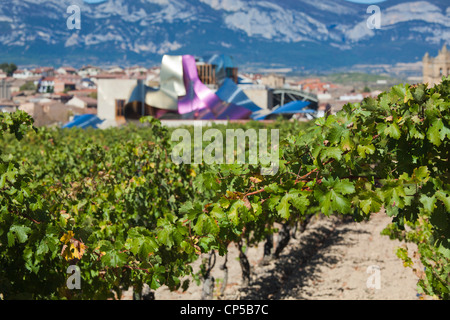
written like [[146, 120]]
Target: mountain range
[[296, 35]]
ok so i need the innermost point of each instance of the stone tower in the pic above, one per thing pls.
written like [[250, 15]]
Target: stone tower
[[435, 68]]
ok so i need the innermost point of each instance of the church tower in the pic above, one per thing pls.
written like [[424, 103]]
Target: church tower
[[435, 68]]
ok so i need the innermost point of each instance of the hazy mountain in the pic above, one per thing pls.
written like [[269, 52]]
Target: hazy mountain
[[300, 34]]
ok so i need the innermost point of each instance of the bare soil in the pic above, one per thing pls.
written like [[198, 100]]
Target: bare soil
[[332, 259]]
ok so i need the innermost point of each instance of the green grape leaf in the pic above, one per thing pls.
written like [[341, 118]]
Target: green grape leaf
[[444, 197], [114, 259], [147, 246], [283, 207], [365, 149], [393, 131], [18, 232], [428, 203], [300, 200], [331, 153], [372, 204], [433, 133], [344, 186], [233, 213]]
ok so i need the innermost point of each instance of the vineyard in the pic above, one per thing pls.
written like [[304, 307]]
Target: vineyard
[[113, 204]]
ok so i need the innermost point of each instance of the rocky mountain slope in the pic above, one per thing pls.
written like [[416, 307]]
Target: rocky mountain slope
[[298, 34]]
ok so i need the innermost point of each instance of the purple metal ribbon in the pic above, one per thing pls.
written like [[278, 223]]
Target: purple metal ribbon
[[202, 101]]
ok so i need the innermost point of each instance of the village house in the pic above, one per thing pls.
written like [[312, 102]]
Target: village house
[[8, 105], [314, 85], [250, 78], [273, 80], [44, 72], [82, 102], [60, 97], [95, 79], [87, 83], [83, 92], [136, 70], [153, 76], [66, 70], [48, 112], [45, 84], [16, 84], [88, 71], [66, 82], [22, 74], [115, 70]]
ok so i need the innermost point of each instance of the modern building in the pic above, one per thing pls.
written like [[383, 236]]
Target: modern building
[[190, 88], [435, 68], [112, 98], [207, 73]]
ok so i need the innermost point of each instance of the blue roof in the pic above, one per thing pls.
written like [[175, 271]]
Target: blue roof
[[84, 121], [222, 61], [292, 107], [231, 93], [139, 93]]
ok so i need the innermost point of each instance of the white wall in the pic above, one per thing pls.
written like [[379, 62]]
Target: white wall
[[108, 90]]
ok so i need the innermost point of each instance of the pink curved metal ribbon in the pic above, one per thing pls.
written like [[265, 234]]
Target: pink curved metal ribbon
[[198, 96], [203, 102]]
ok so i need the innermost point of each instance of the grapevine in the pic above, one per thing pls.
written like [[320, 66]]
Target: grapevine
[[113, 202]]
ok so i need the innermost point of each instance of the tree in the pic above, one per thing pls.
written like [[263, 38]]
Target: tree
[[9, 68], [93, 95], [28, 86]]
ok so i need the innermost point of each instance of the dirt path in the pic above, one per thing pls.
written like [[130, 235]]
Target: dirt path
[[330, 260]]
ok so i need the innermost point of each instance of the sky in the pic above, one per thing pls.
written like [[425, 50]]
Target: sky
[[366, 1], [357, 1]]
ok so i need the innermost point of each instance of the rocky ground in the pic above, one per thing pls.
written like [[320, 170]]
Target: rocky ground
[[331, 259]]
